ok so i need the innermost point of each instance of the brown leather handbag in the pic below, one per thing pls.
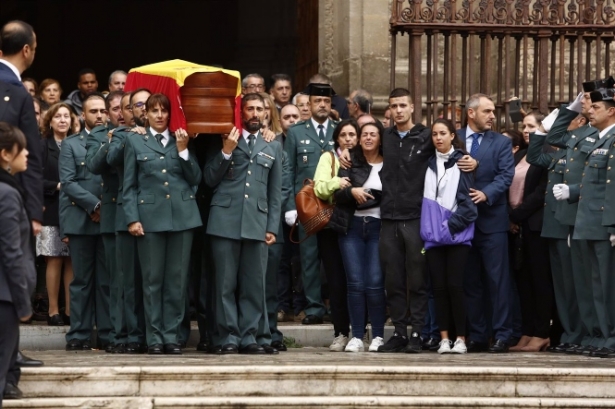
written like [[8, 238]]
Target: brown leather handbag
[[313, 213]]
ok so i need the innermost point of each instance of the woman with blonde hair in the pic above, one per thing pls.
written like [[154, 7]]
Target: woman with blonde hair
[[271, 120], [50, 91]]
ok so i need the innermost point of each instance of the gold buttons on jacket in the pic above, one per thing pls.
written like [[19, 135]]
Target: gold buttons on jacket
[[162, 157], [608, 181], [113, 199], [73, 203], [142, 201], [145, 158], [168, 196], [249, 172], [82, 163], [164, 171], [251, 161], [571, 159], [166, 183], [102, 183], [246, 196], [247, 184]]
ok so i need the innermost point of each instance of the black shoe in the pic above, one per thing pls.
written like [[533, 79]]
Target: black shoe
[[397, 343], [86, 345], [475, 347], [572, 349], [215, 349], [431, 344], [279, 345], [270, 350], [156, 349], [312, 320], [201, 346], [252, 349], [109, 348], [55, 321], [66, 319], [611, 354], [182, 344], [229, 349], [172, 349], [498, 347], [414, 344], [601, 353], [23, 360], [560, 348], [12, 392], [119, 349], [588, 350], [74, 345], [135, 348]]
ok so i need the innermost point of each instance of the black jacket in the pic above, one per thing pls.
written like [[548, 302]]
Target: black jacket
[[345, 203], [531, 209], [51, 178], [403, 172]]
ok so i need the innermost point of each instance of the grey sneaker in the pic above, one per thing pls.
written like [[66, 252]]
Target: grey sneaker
[[445, 347], [339, 343], [459, 347]]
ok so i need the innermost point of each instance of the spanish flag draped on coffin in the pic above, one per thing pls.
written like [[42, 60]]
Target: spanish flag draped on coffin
[[203, 99]]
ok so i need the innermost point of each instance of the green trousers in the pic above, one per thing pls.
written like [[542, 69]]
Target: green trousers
[[268, 331], [582, 276], [310, 275], [131, 326]]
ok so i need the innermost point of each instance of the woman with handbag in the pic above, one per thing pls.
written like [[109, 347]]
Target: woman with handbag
[[358, 207], [326, 183], [447, 228]]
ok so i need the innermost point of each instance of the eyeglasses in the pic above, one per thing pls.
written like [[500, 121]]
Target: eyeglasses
[[256, 86], [138, 105]]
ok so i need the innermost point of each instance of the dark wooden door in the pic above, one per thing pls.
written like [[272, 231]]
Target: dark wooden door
[[307, 44]]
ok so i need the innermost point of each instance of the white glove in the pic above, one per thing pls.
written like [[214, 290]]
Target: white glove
[[290, 217], [612, 238], [547, 123], [569, 241], [561, 191], [577, 104]]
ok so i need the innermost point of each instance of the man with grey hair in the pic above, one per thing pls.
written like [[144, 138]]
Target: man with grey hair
[[252, 83], [117, 80], [338, 103], [359, 103]]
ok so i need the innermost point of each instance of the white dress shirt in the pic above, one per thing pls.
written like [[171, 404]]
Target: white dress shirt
[[12, 67], [469, 140], [324, 126], [165, 140]]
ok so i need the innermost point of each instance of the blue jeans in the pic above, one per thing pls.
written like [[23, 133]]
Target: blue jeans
[[364, 276]]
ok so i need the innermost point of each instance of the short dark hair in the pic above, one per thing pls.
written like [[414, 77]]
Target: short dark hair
[[14, 36], [91, 96], [135, 92], [364, 100], [400, 92], [158, 99], [280, 77], [250, 97], [516, 138], [10, 136], [33, 81], [85, 71], [338, 130], [456, 143], [111, 96]]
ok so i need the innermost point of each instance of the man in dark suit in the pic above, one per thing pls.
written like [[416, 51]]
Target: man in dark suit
[[489, 253], [18, 46], [244, 219]]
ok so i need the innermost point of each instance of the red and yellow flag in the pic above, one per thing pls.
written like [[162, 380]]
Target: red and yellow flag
[[168, 77]]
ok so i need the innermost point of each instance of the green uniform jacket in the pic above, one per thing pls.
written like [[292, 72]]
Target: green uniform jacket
[[591, 192], [608, 217], [578, 144], [247, 200], [97, 146], [80, 190], [304, 148], [157, 188], [552, 161], [115, 158]]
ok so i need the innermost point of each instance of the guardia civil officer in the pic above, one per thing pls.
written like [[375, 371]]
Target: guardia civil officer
[[243, 220], [80, 201], [159, 202], [590, 194], [97, 146], [306, 141], [578, 144]]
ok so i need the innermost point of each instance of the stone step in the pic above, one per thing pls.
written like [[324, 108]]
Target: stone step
[[308, 402], [44, 337]]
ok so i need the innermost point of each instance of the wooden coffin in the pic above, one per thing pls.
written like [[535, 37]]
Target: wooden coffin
[[208, 101]]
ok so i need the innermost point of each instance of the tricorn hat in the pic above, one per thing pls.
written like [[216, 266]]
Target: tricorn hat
[[597, 84], [323, 90], [603, 94]]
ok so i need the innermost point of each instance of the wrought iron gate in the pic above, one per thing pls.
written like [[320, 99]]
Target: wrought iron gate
[[538, 50]]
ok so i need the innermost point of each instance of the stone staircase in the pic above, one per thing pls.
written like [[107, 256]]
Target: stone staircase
[[317, 378]]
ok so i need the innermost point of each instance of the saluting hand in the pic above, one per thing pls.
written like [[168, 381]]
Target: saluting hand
[[229, 142], [136, 229], [181, 137]]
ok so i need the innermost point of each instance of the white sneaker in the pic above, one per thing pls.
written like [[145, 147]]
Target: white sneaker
[[355, 345], [460, 347], [445, 347], [376, 342], [339, 343], [365, 340]]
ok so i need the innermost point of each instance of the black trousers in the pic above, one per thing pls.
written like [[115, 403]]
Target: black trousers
[[331, 256], [405, 273], [9, 343], [535, 285], [446, 267]]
